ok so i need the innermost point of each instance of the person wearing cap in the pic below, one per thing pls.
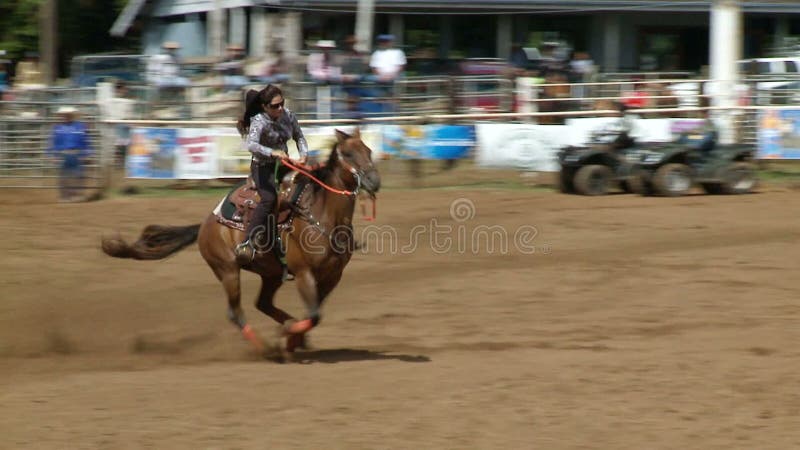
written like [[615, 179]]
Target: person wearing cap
[[387, 63], [320, 65], [70, 143], [266, 127]]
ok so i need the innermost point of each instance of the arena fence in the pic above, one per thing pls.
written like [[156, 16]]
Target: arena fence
[[25, 121]]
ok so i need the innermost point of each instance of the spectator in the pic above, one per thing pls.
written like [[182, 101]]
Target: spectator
[[70, 143], [387, 63], [354, 64], [518, 58], [164, 69], [321, 66], [277, 70], [232, 67], [355, 67], [638, 98], [28, 73], [122, 107]]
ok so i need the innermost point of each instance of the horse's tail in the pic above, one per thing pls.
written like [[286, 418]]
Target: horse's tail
[[156, 242]]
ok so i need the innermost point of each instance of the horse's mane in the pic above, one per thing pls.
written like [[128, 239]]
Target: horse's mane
[[326, 169]]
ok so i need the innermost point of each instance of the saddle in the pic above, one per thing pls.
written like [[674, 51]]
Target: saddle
[[237, 207]]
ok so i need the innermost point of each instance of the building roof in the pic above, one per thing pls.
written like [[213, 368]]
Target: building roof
[[567, 6], [165, 8]]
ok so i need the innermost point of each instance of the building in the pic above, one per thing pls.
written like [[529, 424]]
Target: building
[[618, 34]]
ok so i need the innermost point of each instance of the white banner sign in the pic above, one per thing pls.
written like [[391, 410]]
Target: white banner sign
[[522, 146], [197, 155]]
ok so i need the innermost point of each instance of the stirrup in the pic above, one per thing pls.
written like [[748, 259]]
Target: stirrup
[[245, 253]]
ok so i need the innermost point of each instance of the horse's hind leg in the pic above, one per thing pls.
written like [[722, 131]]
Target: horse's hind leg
[[232, 285]]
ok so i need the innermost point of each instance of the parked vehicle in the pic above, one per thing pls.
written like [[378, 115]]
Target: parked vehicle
[[672, 169], [88, 70]]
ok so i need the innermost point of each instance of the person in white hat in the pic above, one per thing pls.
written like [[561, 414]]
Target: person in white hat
[[164, 69], [320, 64], [70, 143]]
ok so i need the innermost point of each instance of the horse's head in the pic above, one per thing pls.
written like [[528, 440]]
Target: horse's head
[[356, 157]]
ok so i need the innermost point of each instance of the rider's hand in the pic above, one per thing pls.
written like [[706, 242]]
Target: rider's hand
[[278, 154], [303, 160]]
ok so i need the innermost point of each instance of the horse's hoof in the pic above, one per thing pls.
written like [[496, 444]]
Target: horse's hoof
[[294, 342]]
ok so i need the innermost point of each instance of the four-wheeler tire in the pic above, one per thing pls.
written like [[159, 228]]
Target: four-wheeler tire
[[672, 180], [593, 179], [740, 178]]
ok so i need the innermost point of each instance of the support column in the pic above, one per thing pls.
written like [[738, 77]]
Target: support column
[[216, 30], [397, 28], [504, 30], [258, 32], [365, 20], [293, 34], [237, 24], [726, 49], [611, 43]]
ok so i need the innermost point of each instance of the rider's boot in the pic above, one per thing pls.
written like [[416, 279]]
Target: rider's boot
[[245, 252]]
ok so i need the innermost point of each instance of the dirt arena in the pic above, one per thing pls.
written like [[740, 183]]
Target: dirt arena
[[620, 323]]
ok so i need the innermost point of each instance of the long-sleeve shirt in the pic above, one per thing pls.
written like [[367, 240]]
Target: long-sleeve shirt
[[266, 135], [71, 142]]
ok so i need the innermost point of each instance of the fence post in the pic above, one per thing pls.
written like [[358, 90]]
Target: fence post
[[323, 101]]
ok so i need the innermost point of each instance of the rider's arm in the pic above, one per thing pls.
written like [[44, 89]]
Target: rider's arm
[[258, 126], [297, 135]]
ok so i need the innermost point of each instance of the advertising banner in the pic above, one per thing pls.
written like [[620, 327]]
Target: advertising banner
[[233, 160], [151, 153], [521, 146], [197, 155], [779, 134], [321, 140], [428, 141]]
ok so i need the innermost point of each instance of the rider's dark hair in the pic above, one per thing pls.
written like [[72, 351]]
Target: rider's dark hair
[[254, 104]]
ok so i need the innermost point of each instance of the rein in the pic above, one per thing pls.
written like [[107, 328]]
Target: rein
[[285, 162], [351, 169]]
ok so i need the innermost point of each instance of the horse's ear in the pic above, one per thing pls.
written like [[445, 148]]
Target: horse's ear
[[341, 136], [357, 133]]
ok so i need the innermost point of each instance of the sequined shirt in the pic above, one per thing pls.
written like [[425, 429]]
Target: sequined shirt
[[266, 135]]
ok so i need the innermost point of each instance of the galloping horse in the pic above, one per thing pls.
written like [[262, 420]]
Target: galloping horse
[[318, 243]]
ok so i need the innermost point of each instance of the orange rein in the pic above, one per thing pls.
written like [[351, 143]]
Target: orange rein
[[285, 161]]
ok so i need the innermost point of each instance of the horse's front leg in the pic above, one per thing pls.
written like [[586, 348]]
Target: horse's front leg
[[307, 285]]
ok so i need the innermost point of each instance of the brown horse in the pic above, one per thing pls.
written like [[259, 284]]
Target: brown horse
[[318, 243]]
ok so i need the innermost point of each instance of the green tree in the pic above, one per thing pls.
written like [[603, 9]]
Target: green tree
[[19, 27], [82, 28]]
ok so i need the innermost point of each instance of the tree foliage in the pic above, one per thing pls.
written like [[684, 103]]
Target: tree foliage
[[83, 27]]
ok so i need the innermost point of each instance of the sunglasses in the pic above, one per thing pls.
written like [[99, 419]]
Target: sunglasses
[[276, 105]]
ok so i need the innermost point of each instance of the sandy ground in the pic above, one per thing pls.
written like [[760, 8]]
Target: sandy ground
[[620, 323]]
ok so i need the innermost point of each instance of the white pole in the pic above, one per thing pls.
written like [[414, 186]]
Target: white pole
[[364, 21], [726, 46]]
